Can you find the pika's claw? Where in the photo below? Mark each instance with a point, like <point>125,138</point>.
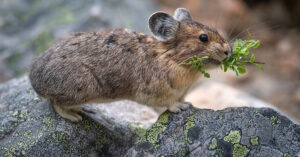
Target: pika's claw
<point>174,109</point>
<point>178,107</point>
<point>185,106</point>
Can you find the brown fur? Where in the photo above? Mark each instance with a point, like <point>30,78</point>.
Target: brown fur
<point>119,64</point>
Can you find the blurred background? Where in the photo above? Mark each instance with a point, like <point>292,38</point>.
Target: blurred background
<point>28,27</point>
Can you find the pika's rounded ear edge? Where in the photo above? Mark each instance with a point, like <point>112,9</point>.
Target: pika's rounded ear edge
<point>163,26</point>
<point>181,14</point>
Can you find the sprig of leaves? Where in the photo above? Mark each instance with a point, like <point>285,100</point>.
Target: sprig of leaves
<point>199,63</point>
<point>237,62</point>
<point>241,56</point>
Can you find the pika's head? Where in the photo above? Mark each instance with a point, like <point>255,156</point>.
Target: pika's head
<point>188,37</point>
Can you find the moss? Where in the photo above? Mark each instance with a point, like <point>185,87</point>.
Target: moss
<point>158,127</point>
<point>275,120</point>
<point>48,121</point>
<point>233,137</point>
<point>60,137</point>
<point>213,144</point>
<point>42,41</point>
<point>190,122</point>
<point>286,155</point>
<point>240,150</point>
<point>254,141</point>
<point>139,130</point>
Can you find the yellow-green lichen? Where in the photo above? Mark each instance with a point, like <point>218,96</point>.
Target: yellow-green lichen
<point>86,124</point>
<point>213,144</point>
<point>158,127</point>
<point>21,146</point>
<point>60,137</point>
<point>138,129</point>
<point>219,152</point>
<point>240,150</point>
<point>182,152</point>
<point>275,120</point>
<point>190,122</point>
<point>233,137</point>
<point>286,155</point>
<point>48,121</point>
<point>254,141</point>
<point>220,117</point>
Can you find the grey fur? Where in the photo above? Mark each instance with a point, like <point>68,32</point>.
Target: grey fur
<point>181,14</point>
<point>163,26</point>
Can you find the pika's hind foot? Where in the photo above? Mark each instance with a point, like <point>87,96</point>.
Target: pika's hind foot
<point>70,114</point>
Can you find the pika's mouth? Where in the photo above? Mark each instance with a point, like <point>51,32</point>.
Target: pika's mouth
<point>214,61</point>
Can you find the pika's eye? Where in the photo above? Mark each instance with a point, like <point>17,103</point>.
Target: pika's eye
<point>203,38</point>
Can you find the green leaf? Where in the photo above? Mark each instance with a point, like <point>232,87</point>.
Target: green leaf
<point>257,44</point>
<point>236,62</point>
<point>252,58</point>
<point>260,67</point>
<point>241,70</point>
<point>207,75</point>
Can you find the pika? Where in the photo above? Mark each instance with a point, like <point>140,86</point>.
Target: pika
<point>122,64</point>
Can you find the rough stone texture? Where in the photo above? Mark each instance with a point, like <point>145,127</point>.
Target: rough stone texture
<point>234,132</point>
<point>28,27</point>
<point>30,127</point>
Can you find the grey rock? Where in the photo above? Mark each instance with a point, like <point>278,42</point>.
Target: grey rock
<point>28,27</point>
<point>30,127</point>
<point>231,132</point>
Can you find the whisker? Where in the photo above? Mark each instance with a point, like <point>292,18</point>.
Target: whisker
<point>248,29</point>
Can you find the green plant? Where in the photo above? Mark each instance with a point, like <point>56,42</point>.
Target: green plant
<point>236,62</point>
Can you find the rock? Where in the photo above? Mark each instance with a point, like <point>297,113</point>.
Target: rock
<point>236,132</point>
<point>28,27</point>
<point>207,94</point>
<point>30,127</point>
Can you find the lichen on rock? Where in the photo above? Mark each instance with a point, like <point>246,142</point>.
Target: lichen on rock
<point>240,150</point>
<point>190,122</point>
<point>234,136</point>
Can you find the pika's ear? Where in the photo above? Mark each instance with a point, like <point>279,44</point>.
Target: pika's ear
<point>181,14</point>
<point>163,26</point>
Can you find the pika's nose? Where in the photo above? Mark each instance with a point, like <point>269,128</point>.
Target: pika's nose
<point>226,53</point>
<point>227,49</point>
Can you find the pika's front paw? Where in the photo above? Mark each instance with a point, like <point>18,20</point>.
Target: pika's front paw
<point>178,107</point>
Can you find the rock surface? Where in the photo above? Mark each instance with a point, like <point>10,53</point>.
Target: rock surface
<point>28,27</point>
<point>30,127</point>
<point>236,132</point>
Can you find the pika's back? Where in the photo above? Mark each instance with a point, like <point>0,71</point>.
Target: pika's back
<point>104,63</point>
